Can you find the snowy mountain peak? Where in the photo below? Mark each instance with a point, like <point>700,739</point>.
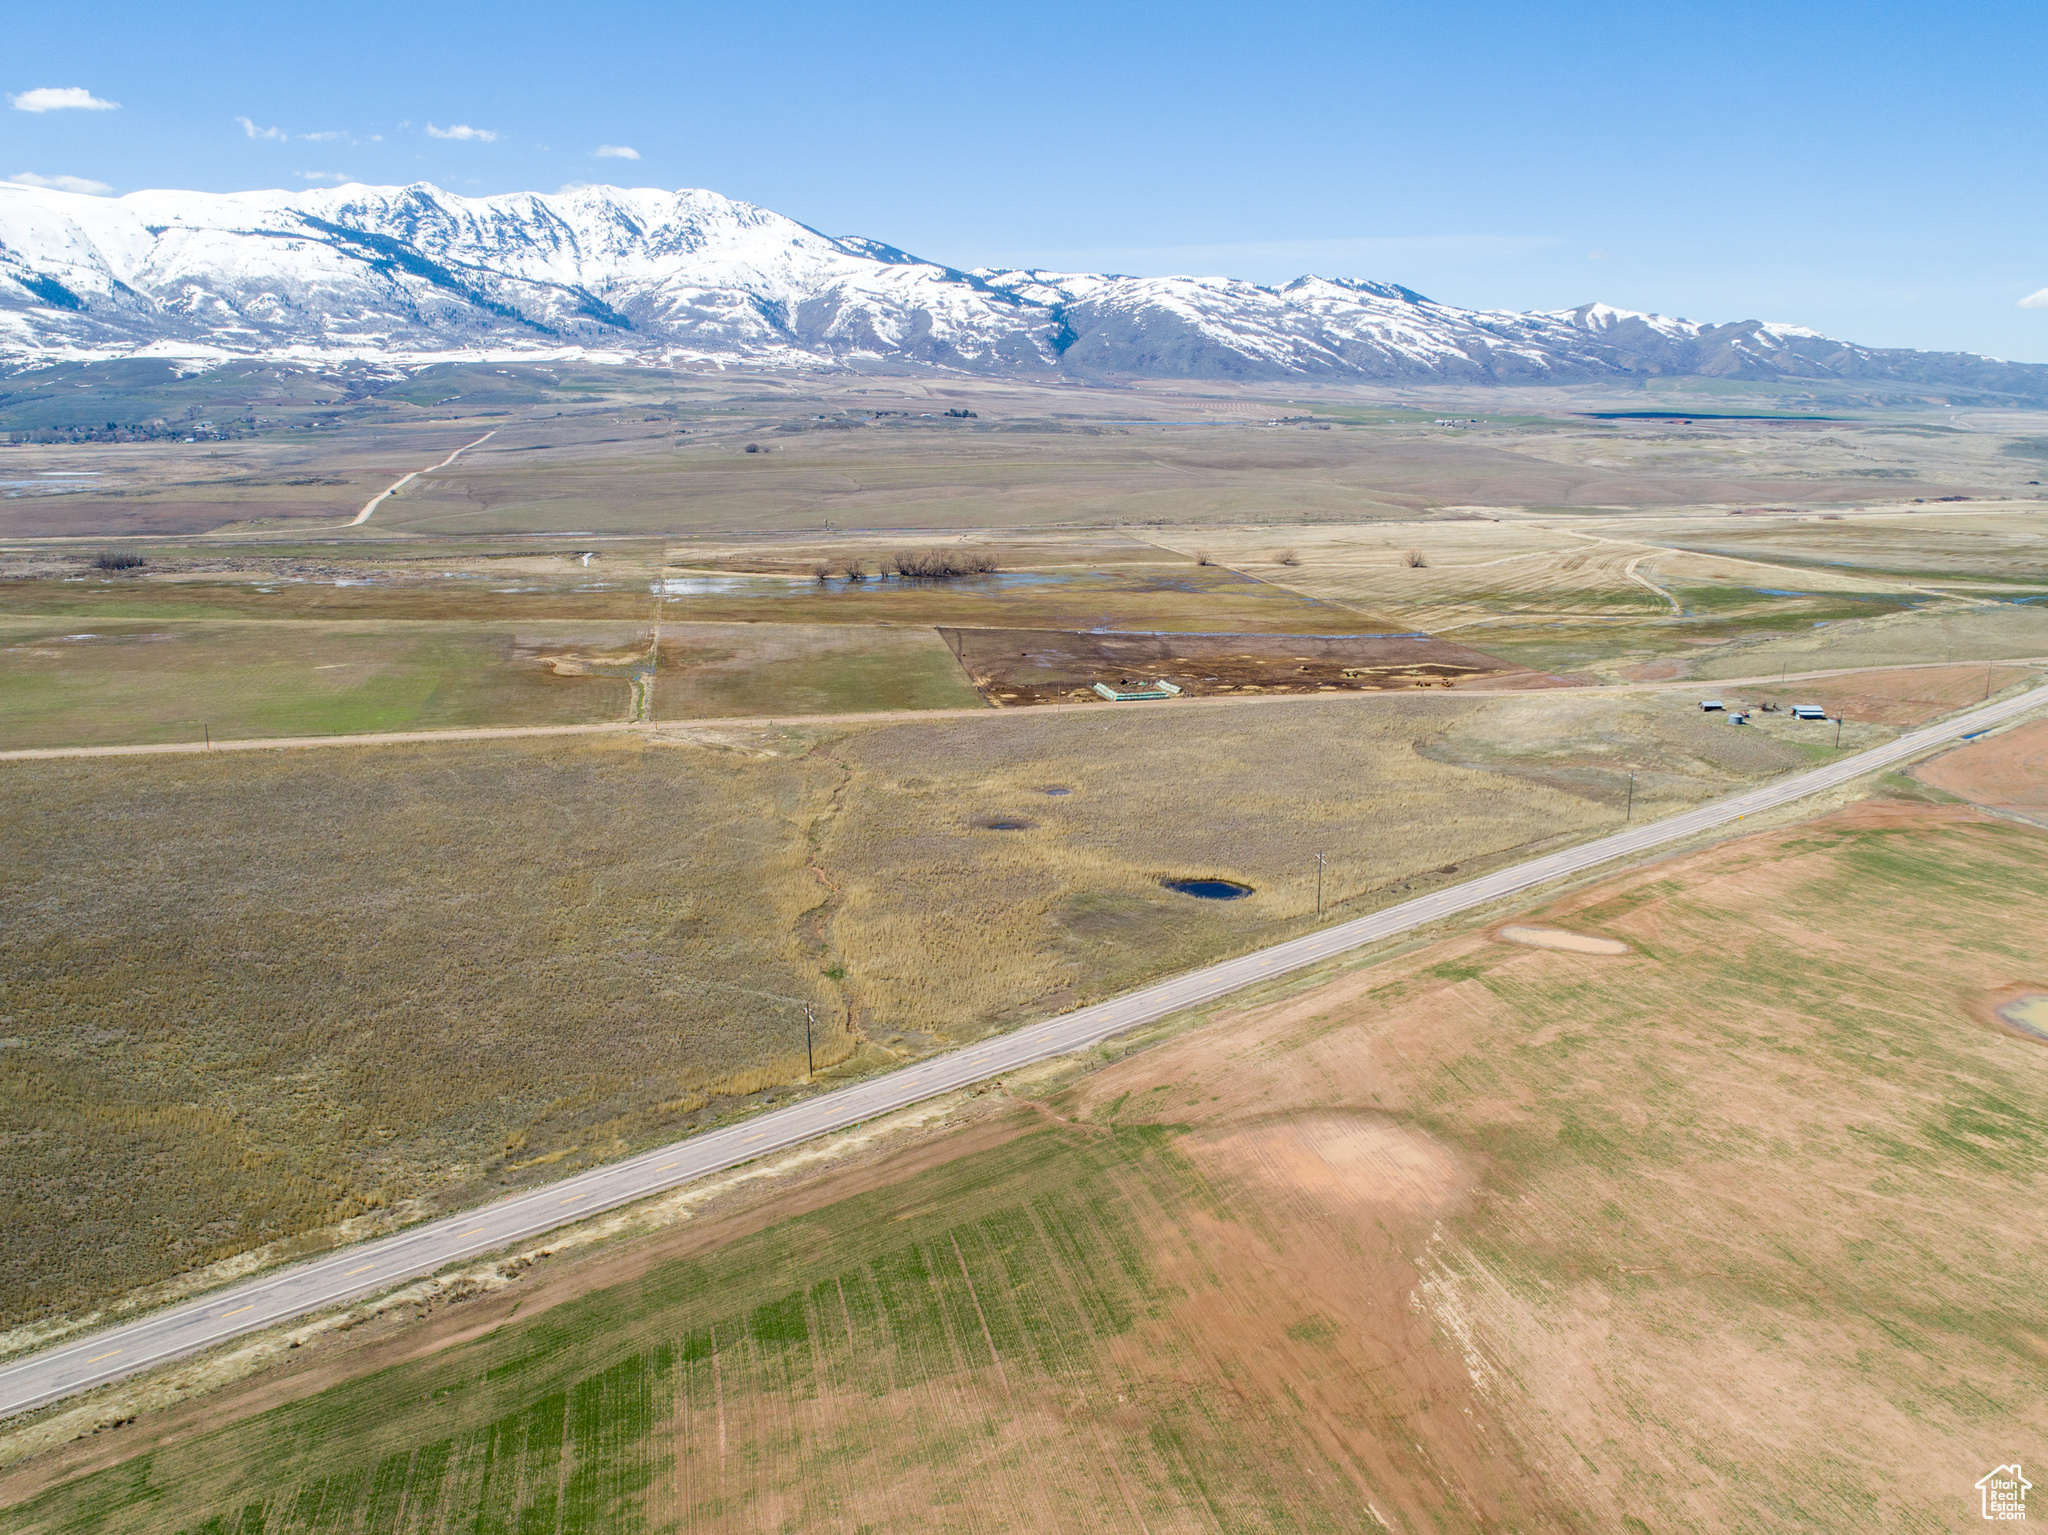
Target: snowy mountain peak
<point>415,274</point>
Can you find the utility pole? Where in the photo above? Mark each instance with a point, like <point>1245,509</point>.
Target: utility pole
<point>1838,732</point>
<point>810,1058</point>
<point>209,736</point>
<point>1987,682</point>
<point>1631,815</point>
<point>1319,884</point>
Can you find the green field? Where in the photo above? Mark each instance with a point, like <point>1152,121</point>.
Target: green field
<point>136,683</point>
<point>714,670</point>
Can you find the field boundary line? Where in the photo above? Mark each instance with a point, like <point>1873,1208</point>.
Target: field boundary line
<point>657,728</point>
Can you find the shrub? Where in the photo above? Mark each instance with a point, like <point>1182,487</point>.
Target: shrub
<point>1415,559</point>
<point>113,561</point>
<point>1287,557</point>
<point>939,564</point>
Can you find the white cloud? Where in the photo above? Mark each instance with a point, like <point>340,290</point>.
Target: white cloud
<point>254,132</point>
<point>463,131</point>
<point>52,98</point>
<point>615,152</point>
<point>327,137</point>
<point>2035,300</point>
<point>337,177</point>
<point>61,183</point>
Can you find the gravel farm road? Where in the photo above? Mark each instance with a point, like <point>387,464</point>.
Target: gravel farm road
<point>461,733</point>
<point>351,1273</point>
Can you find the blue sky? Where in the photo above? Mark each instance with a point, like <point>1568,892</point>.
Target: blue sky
<point>1873,170</point>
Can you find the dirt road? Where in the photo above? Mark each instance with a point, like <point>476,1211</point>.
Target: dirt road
<point>900,716</point>
<point>403,480</point>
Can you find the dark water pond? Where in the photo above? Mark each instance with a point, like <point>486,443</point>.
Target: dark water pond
<point>1209,889</point>
<point>1055,793</point>
<point>1006,825</point>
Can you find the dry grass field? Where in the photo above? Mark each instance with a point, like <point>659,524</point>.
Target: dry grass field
<point>1727,1231</point>
<point>1011,868</point>
<point>245,997</point>
<point>641,451</point>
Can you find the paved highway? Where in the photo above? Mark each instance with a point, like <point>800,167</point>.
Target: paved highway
<point>358,1271</point>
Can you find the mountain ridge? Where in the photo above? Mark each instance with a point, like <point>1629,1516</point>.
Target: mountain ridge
<point>416,275</point>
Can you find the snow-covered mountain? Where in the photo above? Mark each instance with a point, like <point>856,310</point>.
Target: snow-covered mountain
<point>415,274</point>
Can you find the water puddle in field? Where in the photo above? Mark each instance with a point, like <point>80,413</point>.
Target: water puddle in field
<point>51,482</point>
<point>2026,1015</point>
<point>1006,823</point>
<point>1209,889</point>
<point>1055,793</point>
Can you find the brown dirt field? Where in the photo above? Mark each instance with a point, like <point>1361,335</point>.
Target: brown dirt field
<point>2008,771</point>
<point>1901,698</point>
<point>51,517</point>
<point>1670,1329</point>
<point>1557,938</point>
<point>1014,667</point>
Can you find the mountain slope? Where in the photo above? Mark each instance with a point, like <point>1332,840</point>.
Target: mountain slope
<point>414,274</point>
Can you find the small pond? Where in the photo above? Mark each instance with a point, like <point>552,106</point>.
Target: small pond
<point>1209,889</point>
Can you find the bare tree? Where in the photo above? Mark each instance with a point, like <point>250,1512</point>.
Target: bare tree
<point>1415,559</point>
<point>939,564</point>
<point>1287,557</point>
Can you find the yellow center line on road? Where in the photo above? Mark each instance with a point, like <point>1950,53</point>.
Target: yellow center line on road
<point>571,1199</point>
<point>469,1233</point>
<point>236,1312</point>
<point>109,1354</point>
<point>355,1271</point>
<point>666,1166</point>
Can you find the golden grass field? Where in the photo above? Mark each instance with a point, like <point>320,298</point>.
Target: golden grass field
<point>1723,1232</point>
<point>250,996</point>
